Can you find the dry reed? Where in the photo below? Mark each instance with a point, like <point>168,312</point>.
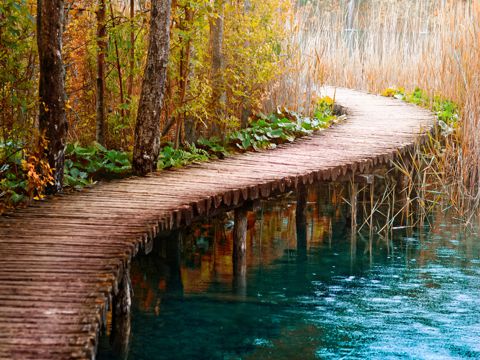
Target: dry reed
<point>375,44</point>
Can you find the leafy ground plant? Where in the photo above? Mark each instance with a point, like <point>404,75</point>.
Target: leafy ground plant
<point>85,165</point>
<point>447,111</point>
<point>171,157</point>
<point>266,132</point>
<point>24,173</point>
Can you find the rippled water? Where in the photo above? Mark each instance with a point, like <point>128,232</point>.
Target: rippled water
<point>411,297</point>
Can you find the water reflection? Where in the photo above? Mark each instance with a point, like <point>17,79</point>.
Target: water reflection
<point>311,290</point>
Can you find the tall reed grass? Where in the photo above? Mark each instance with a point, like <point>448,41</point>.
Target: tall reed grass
<point>375,44</point>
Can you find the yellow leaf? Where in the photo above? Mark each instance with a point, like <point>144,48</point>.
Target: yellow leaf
<point>327,100</point>
<point>389,92</point>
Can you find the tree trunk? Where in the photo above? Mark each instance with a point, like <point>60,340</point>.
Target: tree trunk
<point>117,63</point>
<point>190,130</point>
<point>350,14</point>
<point>184,71</point>
<point>246,108</point>
<point>52,117</point>
<point>132,51</point>
<point>350,24</point>
<point>190,124</point>
<point>147,129</point>
<point>218,100</point>
<point>101,51</point>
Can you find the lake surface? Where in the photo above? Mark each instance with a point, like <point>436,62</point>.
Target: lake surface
<point>413,296</point>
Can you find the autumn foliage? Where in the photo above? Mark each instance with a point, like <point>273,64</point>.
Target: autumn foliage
<point>253,48</point>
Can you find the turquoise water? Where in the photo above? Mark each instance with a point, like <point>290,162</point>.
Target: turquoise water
<point>414,296</point>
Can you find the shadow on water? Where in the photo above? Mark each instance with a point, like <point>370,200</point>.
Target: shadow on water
<point>306,288</point>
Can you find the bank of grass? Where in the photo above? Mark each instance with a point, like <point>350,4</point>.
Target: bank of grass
<point>24,175</point>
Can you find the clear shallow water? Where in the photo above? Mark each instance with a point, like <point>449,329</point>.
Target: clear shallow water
<point>413,297</point>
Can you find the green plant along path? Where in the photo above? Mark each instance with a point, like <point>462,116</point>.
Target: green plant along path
<point>446,110</point>
<point>86,164</point>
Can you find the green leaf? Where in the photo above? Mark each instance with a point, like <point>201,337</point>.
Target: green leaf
<point>16,198</point>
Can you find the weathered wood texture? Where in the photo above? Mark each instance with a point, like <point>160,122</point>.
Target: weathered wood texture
<point>62,259</point>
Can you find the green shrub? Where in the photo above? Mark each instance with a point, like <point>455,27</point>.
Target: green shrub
<point>284,126</point>
<point>171,157</point>
<point>84,165</point>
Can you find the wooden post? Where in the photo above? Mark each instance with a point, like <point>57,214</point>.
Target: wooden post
<point>353,248</point>
<point>402,193</point>
<point>121,322</point>
<point>370,225</point>
<point>301,222</point>
<point>173,260</point>
<point>353,204</point>
<point>372,205</point>
<point>240,250</point>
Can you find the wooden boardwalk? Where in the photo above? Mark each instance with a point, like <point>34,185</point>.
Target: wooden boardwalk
<point>61,259</point>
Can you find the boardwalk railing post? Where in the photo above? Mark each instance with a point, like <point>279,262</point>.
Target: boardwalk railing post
<point>240,249</point>
<point>122,302</point>
<point>301,222</point>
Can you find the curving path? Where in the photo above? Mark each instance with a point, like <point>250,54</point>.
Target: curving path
<point>60,260</point>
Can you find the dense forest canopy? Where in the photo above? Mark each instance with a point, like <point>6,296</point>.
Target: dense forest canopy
<point>251,48</point>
